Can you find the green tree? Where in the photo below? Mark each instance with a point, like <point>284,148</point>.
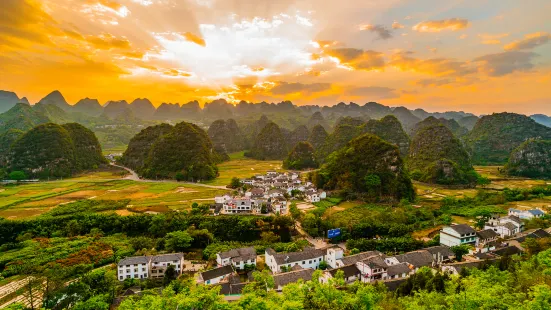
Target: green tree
<point>235,183</point>
<point>459,251</point>
<point>17,175</point>
<point>170,275</point>
<point>323,265</point>
<point>178,241</point>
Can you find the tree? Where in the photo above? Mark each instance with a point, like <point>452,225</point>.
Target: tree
<point>170,275</point>
<point>235,183</point>
<point>17,175</point>
<point>178,240</point>
<point>323,265</point>
<point>459,251</point>
<point>294,211</point>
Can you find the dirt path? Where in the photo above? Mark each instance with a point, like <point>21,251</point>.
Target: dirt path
<point>135,177</point>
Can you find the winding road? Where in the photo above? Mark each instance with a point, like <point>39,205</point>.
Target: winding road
<point>135,177</point>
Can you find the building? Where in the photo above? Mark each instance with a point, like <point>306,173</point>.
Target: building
<point>505,226</point>
<point>282,279</point>
<point>457,235</point>
<point>238,258</point>
<point>143,267</point>
<point>279,205</point>
<point>351,274</point>
<point>372,268</point>
<point>398,271</point>
<point>308,258</point>
<point>486,238</point>
<point>216,275</point>
<point>440,254</point>
<point>414,260</point>
<point>352,259</point>
<point>526,214</point>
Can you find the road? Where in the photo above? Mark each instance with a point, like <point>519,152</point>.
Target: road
<point>318,243</point>
<point>135,177</point>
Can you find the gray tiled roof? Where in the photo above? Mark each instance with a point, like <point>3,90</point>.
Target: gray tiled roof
<point>375,261</point>
<point>443,250</point>
<point>349,271</point>
<point>352,259</point>
<point>247,253</point>
<point>167,257</point>
<point>306,254</point>
<point>515,219</point>
<point>283,279</point>
<point>487,234</point>
<point>510,226</point>
<point>397,269</point>
<point>134,260</point>
<point>217,272</point>
<point>463,229</point>
<point>417,258</point>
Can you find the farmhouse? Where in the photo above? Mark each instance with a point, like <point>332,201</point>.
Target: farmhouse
<point>526,214</point>
<point>457,235</point>
<point>215,276</point>
<point>308,258</point>
<point>237,257</point>
<point>143,267</point>
<point>505,226</point>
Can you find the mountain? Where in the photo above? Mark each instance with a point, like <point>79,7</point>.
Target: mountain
<point>405,117</point>
<point>317,119</point>
<point>301,157</point>
<point>9,99</point>
<point>168,111</point>
<point>88,106</point>
<point>139,146</point>
<point>226,136</point>
<point>219,108</point>
<point>451,124</point>
<point>113,109</point>
<point>57,99</point>
<point>376,110</point>
<point>269,144</point>
<point>368,166</point>
<point>317,136</point>
<point>253,129</point>
<point>54,113</point>
<point>437,156</point>
<point>468,122</point>
<point>542,119</point>
<point>349,121</point>
<point>22,117</point>
<point>495,136</point>
<point>389,129</point>
<point>184,153</point>
<point>531,159</point>
<point>51,150</point>
<point>301,133</point>
<point>142,108</point>
<point>344,132</point>
<point>190,110</point>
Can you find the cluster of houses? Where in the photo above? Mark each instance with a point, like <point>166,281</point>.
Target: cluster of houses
<point>149,267</point>
<point>269,191</point>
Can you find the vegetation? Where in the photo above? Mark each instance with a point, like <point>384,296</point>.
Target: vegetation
<point>531,159</point>
<point>437,156</point>
<point>346,170</point>
<point>317,136</point>
<point>495,136</point>
<point>226,136</point>
<point>138,149</point>
<point>301,157</point>
<point>269,144</point>
<point>390,130</point>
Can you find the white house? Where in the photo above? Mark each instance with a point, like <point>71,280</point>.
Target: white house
<point>505,226</point>
<point>351,274</point>
<point>215,276</point>
<point>372,268</point>
<point>485,240</point>
<point>279,205</point>
<point>414,260</point>
<point>457,235</point>
<point>308,258</point>
<point>526,214</point>
<point>142,267</point>
<point>222,199</point>
<point>333,254</point>
<point>237,257</point>
<point>239,205</point>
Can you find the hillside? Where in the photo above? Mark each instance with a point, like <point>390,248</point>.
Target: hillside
<point>389,129</point>
<point>458,130</point>
<point>318,136</point>
<point>226,136</point>
<point>184,153</point>
<point>301,157</point>
<point>317,119</point>
<point>406,118</point>
<point>88,106</point>
<point>57,99</point>
<point>51,150</point>
<point>468,122</point>
<point>531,159</point>
<point>114,109</point>
<point>369,166</point>
<point>269,144</point>
<point>495,136</point>
<point>437,156</point>
<point>22,117</point>
<point>542,119</point>
<point>301,133</point>
<point>142,108</point>
<point>139,146</point>
<point>9,99</point>
<point>167,111</point>
<point>343,133</point>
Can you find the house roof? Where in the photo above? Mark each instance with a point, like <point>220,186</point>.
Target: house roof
<point>291,257</point>
<point>507,251</point>
<point>416,258</point>
<point>463,229</point>
<point>536,212</point>
<point>375,261</point>
<point>487,234</point>
<point>443,250</point>
<point>352,259</point>
<point>533,233</point>
<point>510,226</point>
<point>349,271</point>
<point>515,219</point>
<point>398,269</point>
<point>283,279</point>
<point>217,272</point>
<point>134,260</point>
<point>476,264</point>
<point>296,267</point>
<point>167,257</point>
<point>248,251</point>
<point>232,288</point>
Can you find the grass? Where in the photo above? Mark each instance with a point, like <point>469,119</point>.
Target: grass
<point>241,167</point>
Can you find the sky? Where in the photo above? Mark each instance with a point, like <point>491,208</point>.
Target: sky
<point>480,56</point>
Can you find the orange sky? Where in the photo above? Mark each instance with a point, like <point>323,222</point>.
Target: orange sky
<point>476,56</point>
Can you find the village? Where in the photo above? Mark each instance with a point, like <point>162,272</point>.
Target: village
<point>501,237</point>
<point>269,193</point>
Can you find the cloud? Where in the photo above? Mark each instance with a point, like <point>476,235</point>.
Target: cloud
<point>397,25</point>
<point>359,59</point>
<point>190,37</point>
<point>107,41</point>
<point>284,88</point>
<point>530,41</point>
<point>452,24</point>
<point>501,64</point>
<point>434,82</point>
<point>435,66</point>
<point>492,39</point>
<point>374,92</point>
<point>381,31</point>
